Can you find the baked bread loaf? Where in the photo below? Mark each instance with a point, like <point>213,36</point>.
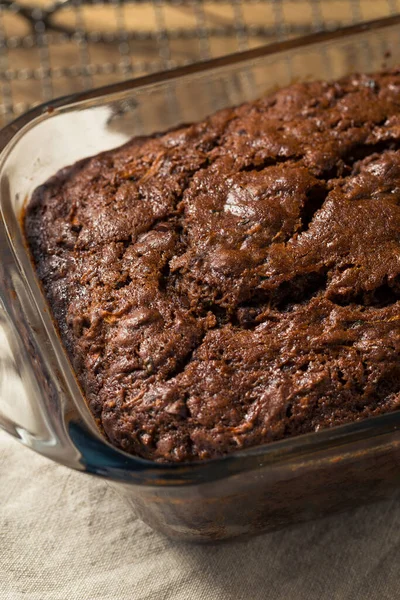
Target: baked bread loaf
<point>235,281</point>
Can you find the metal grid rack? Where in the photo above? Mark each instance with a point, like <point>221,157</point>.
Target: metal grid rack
<point>49,48</point>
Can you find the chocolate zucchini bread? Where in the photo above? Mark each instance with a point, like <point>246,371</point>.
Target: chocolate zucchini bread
<point>235,281</point>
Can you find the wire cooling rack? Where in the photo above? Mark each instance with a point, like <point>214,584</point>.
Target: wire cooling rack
<point>50,48</point>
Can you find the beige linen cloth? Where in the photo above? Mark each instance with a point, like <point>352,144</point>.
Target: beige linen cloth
<point>68,536</point>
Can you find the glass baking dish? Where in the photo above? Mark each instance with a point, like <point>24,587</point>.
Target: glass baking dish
<point>41,403</point>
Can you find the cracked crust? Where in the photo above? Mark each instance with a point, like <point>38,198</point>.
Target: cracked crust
<point>235,281</point>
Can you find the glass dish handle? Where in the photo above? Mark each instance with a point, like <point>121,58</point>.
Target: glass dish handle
<point>32,409</point>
